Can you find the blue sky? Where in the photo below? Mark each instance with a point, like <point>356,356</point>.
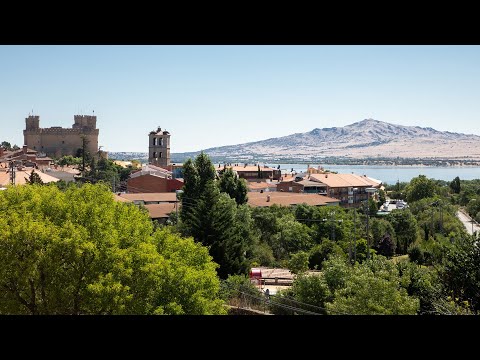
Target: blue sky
<point>208,96</point>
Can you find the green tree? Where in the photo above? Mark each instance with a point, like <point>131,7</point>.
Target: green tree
<point>34,178</point>
<point>406,229</point>
<point>211,218</point>
<point>321,252</point>
<point>420,187</point>
<point>423,283</point>
<point>372,206</point>
<point>291,237</point>
<point>298,262</point>
<point>6,145</point>
<point>237,290</point>
<point>80,252</point>
<point>381,197</point>
<point>386,246</point>
<point>381,227</point>
<point>235,187</point>
<point>312,290</point>
<point>373,288</point>
<point>336,272</point>
<point>455,185</point>
<point>460,273</point>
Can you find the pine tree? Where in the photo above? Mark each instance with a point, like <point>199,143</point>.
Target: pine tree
<point>34,178</point>
<point>235,187</point>
<point>209,216</point>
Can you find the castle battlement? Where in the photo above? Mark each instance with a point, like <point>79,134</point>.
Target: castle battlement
<point>57,141</point>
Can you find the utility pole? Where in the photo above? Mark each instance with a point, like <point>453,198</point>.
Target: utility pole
<point>368,191</point>
<point>12,173</point>
<point>354,190</point>
<point>368,236</point>
<point>332,219</point>
<point>354,238</point>
<point>332,224</point>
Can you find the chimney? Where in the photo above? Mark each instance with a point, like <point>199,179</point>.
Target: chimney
<point>24,149</point>
<point>268,198</point>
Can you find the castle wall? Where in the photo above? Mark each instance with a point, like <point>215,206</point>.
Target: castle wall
<point>57,141</point>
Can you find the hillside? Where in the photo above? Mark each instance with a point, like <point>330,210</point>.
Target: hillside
<point>364,139</point>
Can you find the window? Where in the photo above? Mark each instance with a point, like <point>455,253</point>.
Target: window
<point>160,142</point>
<point>154,142</point>
<point>160,155</point>
<point>63,142</point>
<point>154,154</point>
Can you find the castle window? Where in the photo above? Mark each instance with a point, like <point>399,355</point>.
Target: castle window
<point>154,142</point>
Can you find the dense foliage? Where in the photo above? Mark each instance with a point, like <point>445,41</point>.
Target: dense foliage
<point>78,251</point>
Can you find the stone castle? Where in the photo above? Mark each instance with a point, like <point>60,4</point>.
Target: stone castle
<point>57,141</point>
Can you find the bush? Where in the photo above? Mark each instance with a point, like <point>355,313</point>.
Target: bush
<point>320,253</point>
<point>238,290</point>
<point>298,262</point>
<point>415,254</point>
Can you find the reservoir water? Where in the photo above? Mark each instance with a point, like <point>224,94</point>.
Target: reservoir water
<point>390,174</point>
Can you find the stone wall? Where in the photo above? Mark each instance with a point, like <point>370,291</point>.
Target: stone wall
<point>57,141</point>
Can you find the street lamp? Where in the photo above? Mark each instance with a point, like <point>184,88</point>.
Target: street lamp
<point>332,219</point>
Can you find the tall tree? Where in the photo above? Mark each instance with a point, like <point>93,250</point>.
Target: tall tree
<point>455,185</point>
<point>406,228</point>
<point>6,145</point>
<point>235,187</point>
<point>372,288</point>
<point>420,187</point>
<point>380,228</point>
<point>80,252</point>
<point>210,217</point>
<point>34,178</point>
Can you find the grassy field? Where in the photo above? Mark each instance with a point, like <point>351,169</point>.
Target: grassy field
<point>396,259</point>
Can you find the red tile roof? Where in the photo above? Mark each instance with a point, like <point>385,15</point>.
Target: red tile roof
<point>344,180</point>
<point>167,197</point>
<point>289,198</point>
<point>157,211</point>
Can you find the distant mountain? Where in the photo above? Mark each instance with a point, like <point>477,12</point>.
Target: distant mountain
<point>364,139</point>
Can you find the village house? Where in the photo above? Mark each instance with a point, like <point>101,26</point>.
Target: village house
<point>24,157</point>
<point>350,189</point>
<point>21,176</point>
<point>253,172</point>
<point>153,179</point>
<point>261,186</point>
<point>159,205</point>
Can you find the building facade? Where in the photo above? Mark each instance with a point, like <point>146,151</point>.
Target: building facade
<point>57,141</point>
<point>159,147</point>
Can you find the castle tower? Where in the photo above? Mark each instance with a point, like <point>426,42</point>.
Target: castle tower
<point>32,122</point>
<point>159,147</point>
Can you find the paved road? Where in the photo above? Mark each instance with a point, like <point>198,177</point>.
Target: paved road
<point>467,222</point>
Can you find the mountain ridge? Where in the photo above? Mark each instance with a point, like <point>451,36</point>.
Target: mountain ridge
<point>363,139</point>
